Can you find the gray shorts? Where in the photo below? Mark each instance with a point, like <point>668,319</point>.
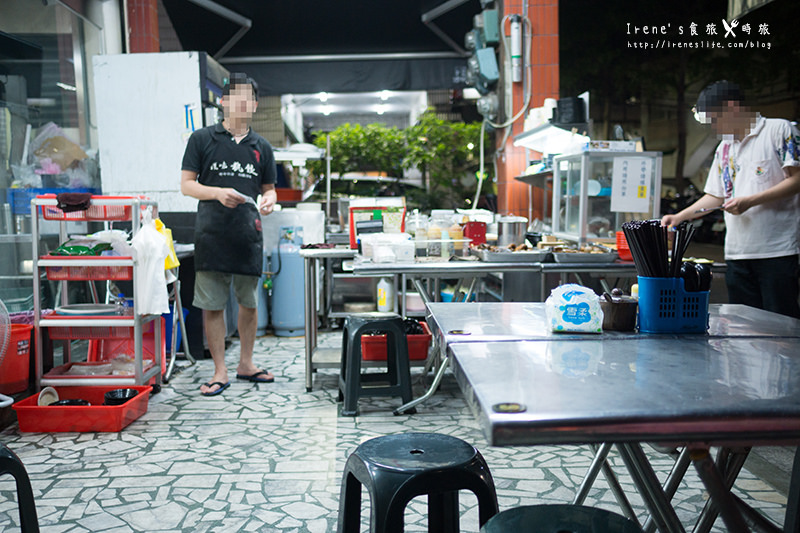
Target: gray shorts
<point>212,290</point>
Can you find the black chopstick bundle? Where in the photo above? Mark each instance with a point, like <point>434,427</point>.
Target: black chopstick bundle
<point>649,244</point>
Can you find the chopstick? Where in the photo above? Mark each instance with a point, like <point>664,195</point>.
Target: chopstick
<point>649,244</point>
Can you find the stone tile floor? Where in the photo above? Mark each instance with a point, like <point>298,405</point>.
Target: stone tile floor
<point>269,458</point>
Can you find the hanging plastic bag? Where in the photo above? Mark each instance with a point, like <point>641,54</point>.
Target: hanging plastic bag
<point>150,250</point>
<point>172,259</point>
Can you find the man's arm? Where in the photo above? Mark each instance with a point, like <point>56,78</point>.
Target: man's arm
<point>785,189</point>
<point>707,201</point>
<point>227,196</point>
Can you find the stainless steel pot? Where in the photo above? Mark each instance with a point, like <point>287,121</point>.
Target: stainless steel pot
<point>511,230</point>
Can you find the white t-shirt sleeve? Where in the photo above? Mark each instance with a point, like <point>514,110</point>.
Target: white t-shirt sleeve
<point>789,151</point>
<point>714,185</point>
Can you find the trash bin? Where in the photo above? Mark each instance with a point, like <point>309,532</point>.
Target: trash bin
<point>14,367</point>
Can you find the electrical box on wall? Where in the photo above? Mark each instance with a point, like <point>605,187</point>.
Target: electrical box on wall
<point>490,29</point>
<point>487,66</point>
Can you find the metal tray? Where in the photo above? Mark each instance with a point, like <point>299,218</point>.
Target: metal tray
<point>526,256</point>
<point>579,257</point>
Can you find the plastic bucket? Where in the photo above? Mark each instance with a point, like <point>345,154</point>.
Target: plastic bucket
<point>14,368</point>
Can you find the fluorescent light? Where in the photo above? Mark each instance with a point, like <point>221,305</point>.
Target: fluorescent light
<point>67,87</point>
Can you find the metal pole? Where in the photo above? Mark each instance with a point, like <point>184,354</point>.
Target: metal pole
<point>328,178</point>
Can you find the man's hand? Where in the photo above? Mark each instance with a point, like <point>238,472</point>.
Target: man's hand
<point>230,197</point>
<point>737,206</point>
<point>268,200</point>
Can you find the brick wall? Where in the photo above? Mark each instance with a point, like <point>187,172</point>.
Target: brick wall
<point>514,196</point>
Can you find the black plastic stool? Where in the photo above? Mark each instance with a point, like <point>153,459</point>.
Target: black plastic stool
<point>397,375</point>
<point>397,468</point>
<point>559,519</point>
<point>10,464</point>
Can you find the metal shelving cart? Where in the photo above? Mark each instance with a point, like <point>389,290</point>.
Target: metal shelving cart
<point>123,329</point>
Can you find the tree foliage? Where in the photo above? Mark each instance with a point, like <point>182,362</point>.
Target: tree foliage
<point>445,152</point>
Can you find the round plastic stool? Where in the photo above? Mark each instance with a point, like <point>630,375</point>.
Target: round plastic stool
<point>397,468</point>
<point>10,464</point>
<point>559,519</point>
<point>396,381</point>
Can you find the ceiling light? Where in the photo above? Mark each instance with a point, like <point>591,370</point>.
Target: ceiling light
<point>67,87</point>
<point>326,110</point>
<point>323,97</point>
<point>381,109</point>
<point>384,95</point>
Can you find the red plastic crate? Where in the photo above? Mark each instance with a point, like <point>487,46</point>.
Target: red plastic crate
<point>373,347</point>
<point>68,331</point>
<point>79,273</point>
<point>96,417</point>
<point>94,212</point>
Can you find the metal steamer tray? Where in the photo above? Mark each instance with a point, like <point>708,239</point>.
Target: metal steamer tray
<point>507,256</point>
<point>582,257</point>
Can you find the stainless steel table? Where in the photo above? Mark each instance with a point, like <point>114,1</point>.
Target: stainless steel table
<point>513,321</point>
<point>696,392</point>
<point>608,388</point>
<point>317,357</point>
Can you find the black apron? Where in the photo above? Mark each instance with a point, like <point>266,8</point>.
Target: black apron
<point>229,240</point>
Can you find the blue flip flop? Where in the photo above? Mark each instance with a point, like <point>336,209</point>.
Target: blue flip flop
<point>222,387</point>
<point>257,377</point>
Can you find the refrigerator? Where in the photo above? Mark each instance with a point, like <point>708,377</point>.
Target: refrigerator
<point>147,106</point>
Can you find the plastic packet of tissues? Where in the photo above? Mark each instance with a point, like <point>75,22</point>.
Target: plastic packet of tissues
<point>574,308</point>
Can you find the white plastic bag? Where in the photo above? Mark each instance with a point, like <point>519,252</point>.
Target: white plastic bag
<point>149,252</point>
<point>574,308</point>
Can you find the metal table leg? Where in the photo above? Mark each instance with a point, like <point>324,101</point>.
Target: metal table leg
<point>650,488</point>
<point>600,462</point>
<point>445,363</point>
<point>311,323</point>
<point>674,479</point>
<point>715,485</point>
<point>791,523</point>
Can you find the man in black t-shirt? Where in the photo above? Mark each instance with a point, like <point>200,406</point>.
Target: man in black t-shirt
<point>227,167</point>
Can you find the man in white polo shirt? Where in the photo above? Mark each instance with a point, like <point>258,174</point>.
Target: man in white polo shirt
<point>755,178</point>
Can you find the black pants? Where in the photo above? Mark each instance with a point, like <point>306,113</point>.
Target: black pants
<point>770,284</point>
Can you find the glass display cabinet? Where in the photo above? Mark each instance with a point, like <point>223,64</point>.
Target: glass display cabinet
<point>594,192</point>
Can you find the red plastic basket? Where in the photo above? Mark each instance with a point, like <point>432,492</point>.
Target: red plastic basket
<point>373,347</point>
<point>94,212</point>
<point>68,331</point>
<point>95,417</point>
<point>623,249</point>
<point>77,273</point>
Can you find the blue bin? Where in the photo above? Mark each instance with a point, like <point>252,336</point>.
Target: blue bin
<point>168,330</point>
<point>666,307</point>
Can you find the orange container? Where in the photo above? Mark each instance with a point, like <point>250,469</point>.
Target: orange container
<point>95,417</point>
<point>14,369</point>
<point>373,347</point>
<point>623,249</point>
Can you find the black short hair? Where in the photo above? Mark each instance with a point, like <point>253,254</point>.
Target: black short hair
<point>240,78</point>
<point>714,96</point>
